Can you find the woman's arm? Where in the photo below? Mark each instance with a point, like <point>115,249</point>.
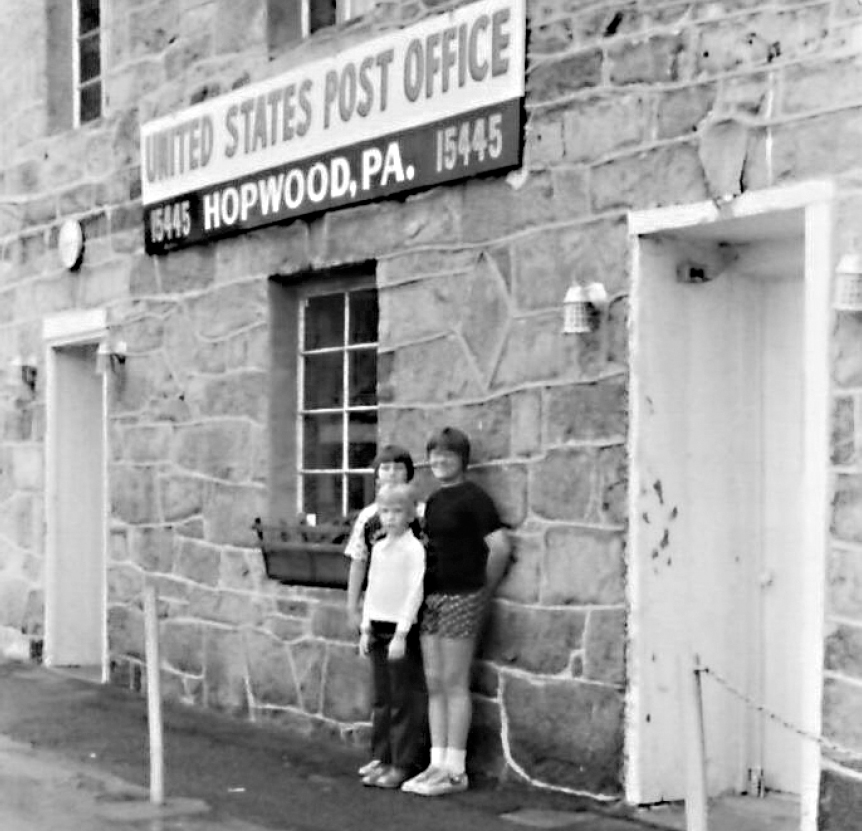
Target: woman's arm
<point>499,557</point>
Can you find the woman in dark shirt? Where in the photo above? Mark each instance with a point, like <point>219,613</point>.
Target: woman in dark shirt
<point>467,553</point>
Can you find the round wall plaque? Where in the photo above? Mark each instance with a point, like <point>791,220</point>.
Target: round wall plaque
<point>70,244</point>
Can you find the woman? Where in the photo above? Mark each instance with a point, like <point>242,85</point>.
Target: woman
<point>467,554</point>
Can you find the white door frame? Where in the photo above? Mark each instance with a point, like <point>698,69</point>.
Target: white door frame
<point>816,199</point>
<point>73,328</point>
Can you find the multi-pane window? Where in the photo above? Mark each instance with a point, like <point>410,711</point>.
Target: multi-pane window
<point>291,20</point>
<point>317,14</point>
<point>338,401</point>
<point>88,61</point>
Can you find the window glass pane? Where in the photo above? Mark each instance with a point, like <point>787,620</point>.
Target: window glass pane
<point>90,65</point>
<point>324,381</point>
<point>324,321</point>
<point>321,495</point>
<point>363,316</point>
<point>88,15</point>
<point>322,442</point>
<point>91,101</point>
<point>283,22</point>
<point>321,13</point>
<point>362,439</point>
<point>360,491</point>
<point>363,377</point>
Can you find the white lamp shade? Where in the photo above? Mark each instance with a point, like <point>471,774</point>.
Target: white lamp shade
<point>576,311</point>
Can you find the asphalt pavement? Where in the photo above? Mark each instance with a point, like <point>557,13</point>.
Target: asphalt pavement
<point>74,757</point>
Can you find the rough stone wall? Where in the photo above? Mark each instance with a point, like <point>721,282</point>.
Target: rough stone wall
<point>630,105</point>
<point>22,120</point>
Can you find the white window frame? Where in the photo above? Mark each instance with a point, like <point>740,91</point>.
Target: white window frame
<point>344,10</point>
<point>344,471</point>
<point>76,61</point>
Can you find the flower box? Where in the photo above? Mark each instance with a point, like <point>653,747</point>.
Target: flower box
<point>305,555</point>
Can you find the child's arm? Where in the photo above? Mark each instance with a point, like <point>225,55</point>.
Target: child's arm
<point>357,550</point>
<point>364,633</point>
<point>358,570</point>
<point>415,564</point>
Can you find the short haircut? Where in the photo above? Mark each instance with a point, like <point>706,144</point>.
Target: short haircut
<point>453,440</point>
<point>395,454</point>
<point>403,494</point>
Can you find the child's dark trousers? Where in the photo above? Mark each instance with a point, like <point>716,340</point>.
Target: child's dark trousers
<point>399,714</point>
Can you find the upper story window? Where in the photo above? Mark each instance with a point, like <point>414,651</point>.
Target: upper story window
<point>292,20</point>
<point>317,14</point>
<point>87,60</point>
<point>75,35</point>
<point>337,400</point>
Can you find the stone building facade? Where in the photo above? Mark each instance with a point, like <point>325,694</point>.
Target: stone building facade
<point>630,105</point>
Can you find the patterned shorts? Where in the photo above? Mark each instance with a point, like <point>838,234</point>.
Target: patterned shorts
<point>453,615</point>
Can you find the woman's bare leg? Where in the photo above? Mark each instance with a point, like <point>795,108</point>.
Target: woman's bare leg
<point>457,659</point>
<point>432,661</point>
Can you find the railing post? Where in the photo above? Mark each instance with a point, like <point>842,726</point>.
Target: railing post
<point>154,695</point>
<point>695,746</point>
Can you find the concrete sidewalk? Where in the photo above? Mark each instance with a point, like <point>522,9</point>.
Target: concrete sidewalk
<point>41,791</point>
<point>74,756</point>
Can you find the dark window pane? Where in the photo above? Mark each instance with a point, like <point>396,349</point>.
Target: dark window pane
<point>321,13</point>
<point>322,442</point>
<point>362,439</point>
<point>90,65</point>
<point>88,15</point>
<point>283,20</point>
<point>360,491</point>
<point>324,321</point>
<point>363,377</point>
<point>91,102</point>
<point>363,316</point>
<point>321,495</point>
<point>324,380</point>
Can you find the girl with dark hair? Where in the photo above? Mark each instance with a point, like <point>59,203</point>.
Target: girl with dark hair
<point>467,551</point>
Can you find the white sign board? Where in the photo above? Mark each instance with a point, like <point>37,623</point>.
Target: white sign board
<point>438,101</point>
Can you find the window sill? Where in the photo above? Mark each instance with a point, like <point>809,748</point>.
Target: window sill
<point>302,555</point>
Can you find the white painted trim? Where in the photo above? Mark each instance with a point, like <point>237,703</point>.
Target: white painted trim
<point>76,64</point>
<point>656,220</point>
<point>815,197</point>
<point>69,328</point>
<point>632,785</point>
<point>304,18</point>
<point>106,518</point>
<point>50,499</point>
<point>75,326</point>
<point>818,319</point>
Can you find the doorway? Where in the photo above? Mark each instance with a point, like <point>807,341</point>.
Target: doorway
<point>728,494</point>
<point>76,509</point>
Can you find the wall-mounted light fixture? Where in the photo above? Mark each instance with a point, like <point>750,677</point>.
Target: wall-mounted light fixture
<point>583,307</point>
<point>26,369</point>
<point>110,355</point>
<point>848,284</point>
